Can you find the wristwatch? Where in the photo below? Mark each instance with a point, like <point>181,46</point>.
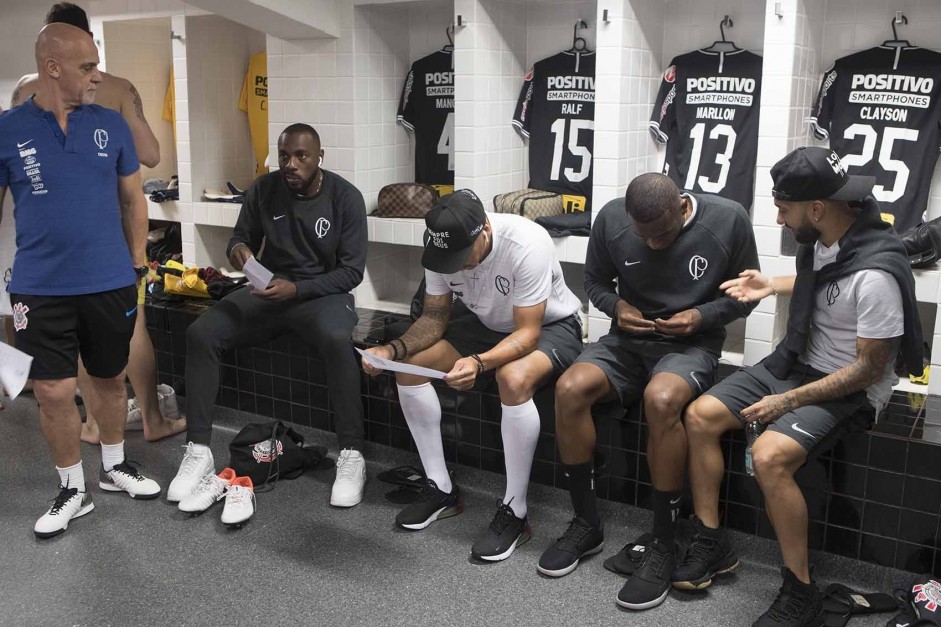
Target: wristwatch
<point>143,271</point>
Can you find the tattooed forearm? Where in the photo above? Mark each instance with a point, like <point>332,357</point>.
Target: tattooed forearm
<point>430,326</point>
<point>15,100</point>
<point>138,104</point>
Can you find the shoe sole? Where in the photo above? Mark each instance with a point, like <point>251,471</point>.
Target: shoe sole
<point>523,538</point>
<point>646,605</point>
<point>347,502</point>
<point>51,534</point>
<point>237,524</point>
<point>705,582</point>
<point>110,487</point>
<point>199,512</point>
<point>444,512</point>
<point>562,572</point>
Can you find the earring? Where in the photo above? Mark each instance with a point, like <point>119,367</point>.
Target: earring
<point>320,162</point>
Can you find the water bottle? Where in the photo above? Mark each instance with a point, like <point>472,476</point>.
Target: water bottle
<point>752,431</point>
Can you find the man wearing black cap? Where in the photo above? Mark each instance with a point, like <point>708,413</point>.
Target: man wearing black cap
<point>525,327</point>
<point>852,309</point>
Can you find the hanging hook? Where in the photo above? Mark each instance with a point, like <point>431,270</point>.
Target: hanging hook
<point>449,31</point>
<point>898,19</point>
<point>726,21</point>
<point>575,38</point>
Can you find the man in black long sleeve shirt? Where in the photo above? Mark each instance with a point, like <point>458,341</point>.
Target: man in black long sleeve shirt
<point>313,225</point>
<point>655,269</point>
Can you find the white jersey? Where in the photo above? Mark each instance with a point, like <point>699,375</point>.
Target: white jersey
<point>521,271</point>
<point>866,304</point>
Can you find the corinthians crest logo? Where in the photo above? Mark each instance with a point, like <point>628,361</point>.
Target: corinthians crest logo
<point>929,591</point>
<point>263,454</point>
<point>697,267</point>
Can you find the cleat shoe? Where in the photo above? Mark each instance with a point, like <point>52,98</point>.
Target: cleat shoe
<point>710,554</point>
<point>69,504</point>
<point>192,470</point>
<point>430,505</point>
<point>239,502</point>
<point>798,605</point>
<point>351,479</point>
<point>505,533</point>
<point>650,583</point>
<point>125,478</point>
<point>579,540</point>
<point>207,492</point>
<point>630,557</point>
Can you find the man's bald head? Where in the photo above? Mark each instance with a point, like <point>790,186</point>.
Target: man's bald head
<point>67,60</point>
<point>58,40</point>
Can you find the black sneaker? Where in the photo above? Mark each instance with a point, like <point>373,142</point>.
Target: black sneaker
<point>579,540</point>
<point>630,557</point>
<point>430,505</point>
<point>798,605</point>
<point>650,583</point>
<point>709,554</point>
<point>505,533</point>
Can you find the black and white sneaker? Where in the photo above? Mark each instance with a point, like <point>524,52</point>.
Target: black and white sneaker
<point>125,478</point>
<point>630,557</point>
<point>709,554</point>
<point>430,505</point>
<point>798,605</point>
<point>69,504</point>
<point>505,533</point>
<point>650,583</point>
<point>579,540</point>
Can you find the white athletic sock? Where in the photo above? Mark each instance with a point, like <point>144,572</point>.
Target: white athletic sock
<point>72,477</point>
<point>423,414</point>
<point>112,455</point>
<point>520,428</point>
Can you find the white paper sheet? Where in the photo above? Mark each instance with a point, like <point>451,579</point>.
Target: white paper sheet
<point>258,275</point>
<point>397,366</point>
<point>14,369</point>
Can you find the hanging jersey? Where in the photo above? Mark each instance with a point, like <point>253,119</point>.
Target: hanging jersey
<point>707,114</point>
<point>880,109</point>
<point>254,101</point>
<point>426,108</point>
<point>169,105</point>
<point>556,112</point>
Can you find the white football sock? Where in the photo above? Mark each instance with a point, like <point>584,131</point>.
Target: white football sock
<point>72,477</point>
<point>422,411</point>
<point>520,428</point>
<point>112,455</point>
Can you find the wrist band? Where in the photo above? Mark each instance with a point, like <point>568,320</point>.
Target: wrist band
<point>480,363</point>
<point>395,351</point>
<point>395,347</point>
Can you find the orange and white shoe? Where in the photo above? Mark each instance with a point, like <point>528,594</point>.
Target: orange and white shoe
<point>239,502</point>
<point>207,492</point>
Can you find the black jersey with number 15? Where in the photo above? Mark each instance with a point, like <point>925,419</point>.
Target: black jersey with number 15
<point>556,111</point>
<point>426,108</point>
<point>881,109</point>
<point>707,114</point>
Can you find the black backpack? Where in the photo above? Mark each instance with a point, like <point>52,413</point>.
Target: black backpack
<point>269,451</point>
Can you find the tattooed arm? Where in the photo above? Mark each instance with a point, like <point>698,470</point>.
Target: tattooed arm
<point>423,334</point>
<point>132,109</point>
<point>25,88</point>
<point>872,357</point>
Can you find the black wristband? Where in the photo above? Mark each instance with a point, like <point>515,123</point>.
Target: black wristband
<point>480,363</point>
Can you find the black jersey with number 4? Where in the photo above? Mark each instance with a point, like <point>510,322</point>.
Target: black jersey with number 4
<point>556,111</point>
<point>881,109</point>
<point>426,108</point>
<point>707,114</point>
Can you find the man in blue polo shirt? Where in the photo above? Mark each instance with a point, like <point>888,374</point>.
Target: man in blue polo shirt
<point>80,211</point>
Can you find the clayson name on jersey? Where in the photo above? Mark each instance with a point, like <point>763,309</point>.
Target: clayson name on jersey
<point>890,89</point>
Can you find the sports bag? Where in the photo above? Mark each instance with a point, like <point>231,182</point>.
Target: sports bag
<point>923,243</point>
<point>270,451</point>
<point>529,203</point>
<point>406,200</point>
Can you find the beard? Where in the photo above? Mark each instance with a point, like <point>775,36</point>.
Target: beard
<point>806,234</point>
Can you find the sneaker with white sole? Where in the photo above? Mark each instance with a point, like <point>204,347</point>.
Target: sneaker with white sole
<point>351,479</point>
<point>207,493</point>
<point>69,504</point>
<point>193,468</point>
<point>125,478</point>
<point>239,502</point>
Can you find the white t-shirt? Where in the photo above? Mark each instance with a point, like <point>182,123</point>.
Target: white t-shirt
<point>521,271</point>
<point>866,304</point>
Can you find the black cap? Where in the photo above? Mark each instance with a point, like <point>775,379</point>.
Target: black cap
<point>810,173</point>
<point>454,223</point>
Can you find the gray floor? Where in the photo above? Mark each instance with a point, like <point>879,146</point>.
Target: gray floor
<point>299,561</point>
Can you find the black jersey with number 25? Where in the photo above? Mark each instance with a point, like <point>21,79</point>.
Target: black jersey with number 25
<point>707,114</point>
<point>556,111</point>
<point>426,108</point>
<point>881,108</point>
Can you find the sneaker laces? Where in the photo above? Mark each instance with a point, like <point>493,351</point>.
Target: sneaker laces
<point>65,494</point>
<point>787,606</point>
<point>655,559</point>
<point>347,468</point>
<point>505,515</point>
<point>236,495</point>
<point>700,549</point>
<point>206,484</point>
<point>190,461</point>
<point>573,535</point>
<point>428,491</point>
<point>128,468</point>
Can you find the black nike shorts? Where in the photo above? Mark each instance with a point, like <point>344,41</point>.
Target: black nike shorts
<point>815,427</point>
<point>630,362</point>
<point>55,330</point>
<point>561,341</point>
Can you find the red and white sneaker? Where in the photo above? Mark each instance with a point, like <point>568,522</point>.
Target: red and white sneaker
<point>207,492</point>
<point>239,502</point>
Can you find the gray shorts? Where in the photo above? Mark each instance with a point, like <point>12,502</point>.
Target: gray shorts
<point>561,341</point>
<point>630,362</point>
<point>815,427</point>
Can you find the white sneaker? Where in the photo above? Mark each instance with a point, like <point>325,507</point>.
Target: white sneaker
<point>166,400</point>
<point>125,478</point>
<point>135,419</point>
<point>69,504</point>
<point>192,470</point>
<point>239,502</point>
<point>351,479</point>
<point>208,492</point>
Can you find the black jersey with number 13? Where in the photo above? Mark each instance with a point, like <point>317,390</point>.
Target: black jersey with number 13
<point>426,108</point>
<point>707,114</point>
<point>556,111</point>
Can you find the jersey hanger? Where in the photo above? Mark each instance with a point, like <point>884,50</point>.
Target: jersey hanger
<point>723,45</point>
<point>895,42</point>
<point>578,43</point>
<point>449,31</point>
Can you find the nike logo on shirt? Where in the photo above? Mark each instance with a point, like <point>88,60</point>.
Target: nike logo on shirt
<point>128,314</point>
<point>454,284</point>
<point>26,143</point>
<point>280,216</point>
<point>799,430</point>
<point>631,263</point>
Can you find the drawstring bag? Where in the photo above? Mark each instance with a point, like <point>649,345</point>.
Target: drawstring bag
<point>270,451</point>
